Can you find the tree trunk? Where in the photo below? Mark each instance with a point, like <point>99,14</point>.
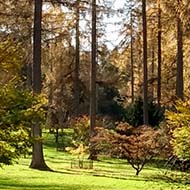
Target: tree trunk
<point>93,82</point>
<point>137,172</point>
<point>145,69</point>
<point>50,95</point>
<point>179,79</point>
<point>37,151</point>
<point>152,69</point>
<point>29,64</point>
<point>159,54</point>
<point>132,62</point>
<point>77,61</point>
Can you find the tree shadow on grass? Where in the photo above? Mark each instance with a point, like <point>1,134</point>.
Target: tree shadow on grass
<point>158,178</point>
<point>7,184</point>
<point>113,173</point>
<point>174,178</point>
<point>66,172</point>
<point>103,174</point>
<point>40,187</point>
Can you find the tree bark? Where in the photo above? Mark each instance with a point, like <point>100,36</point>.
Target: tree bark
<point>132,61</point>
<point>77,61</point>
<point>93,81</point>
<point>145,69</point>
<point>29,64</point>
<point>38,161</point>
<point>152,69</point>
<point>159,55</point>
<point>179,77</point>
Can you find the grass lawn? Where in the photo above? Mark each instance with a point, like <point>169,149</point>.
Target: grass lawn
<point>107,174</point>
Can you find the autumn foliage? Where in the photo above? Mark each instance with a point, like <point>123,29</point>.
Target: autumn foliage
<point>19,109</point>
<point>137,145</point>
<point>178,120</point>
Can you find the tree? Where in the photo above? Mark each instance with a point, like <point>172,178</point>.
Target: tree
<point>17,112</point>
<point>134,113</point>
<point>132,60</point>
<point>58,56</point>
<point>178,120</point>
<point>18,107</point>
<point>108,105</point>
<point>137,145</point>
<point>179,77</point>
<point>93,80</point>
<point>159,54</point>
<point>38,161</point>
<point>80,126</point>
<point>16,24</point>
<point>145,70</point>
<point>14,105</point>
<point>77,60</point>
<point>175,13</point>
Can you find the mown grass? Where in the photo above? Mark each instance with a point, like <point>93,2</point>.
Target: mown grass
<point>107,174</point>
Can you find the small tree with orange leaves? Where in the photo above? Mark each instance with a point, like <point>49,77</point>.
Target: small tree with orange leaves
<point>137,145</point>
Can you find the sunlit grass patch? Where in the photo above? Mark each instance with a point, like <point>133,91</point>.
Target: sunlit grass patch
<point>107,174</point>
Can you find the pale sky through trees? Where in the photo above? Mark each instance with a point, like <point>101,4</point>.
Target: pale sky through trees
<point>113,35</point>
<point>113,26</point>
